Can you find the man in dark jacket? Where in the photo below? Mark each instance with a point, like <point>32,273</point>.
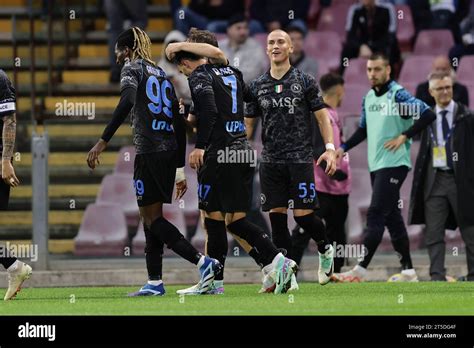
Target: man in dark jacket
<point>370,29</point>
<point>441,65</point>
<point>443,185</point>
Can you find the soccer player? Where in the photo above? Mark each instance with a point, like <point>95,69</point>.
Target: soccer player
<point>18,271</point>
<point>224,184</point>
<point>333,191</point>
<point>387,122</point>
<point>160,141</point>
<point>286,99</point>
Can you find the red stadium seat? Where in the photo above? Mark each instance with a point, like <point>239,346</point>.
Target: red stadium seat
<point>352,102</point>
<point>410,87</point>
<point>125,159</point>
<point>405,27</point>
<point>174,214</point>
<point>356,72</point>
<point>358,155</point>
<point>103,231</point>
<point>118,188</point>
<point>433,42</point>
<point>262,40</point>
<point>325,46</point>
<point>465,73</point>
<point>333,18</point>
<point>416,69</point>
<point>470,88</point>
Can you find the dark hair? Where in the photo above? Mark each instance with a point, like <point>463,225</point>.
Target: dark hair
<point>179,56</point>
<point>328,81</point>
<point>202,36</point>
<point>294,28</point>
<point>380,55</point>
<point>137,41</point>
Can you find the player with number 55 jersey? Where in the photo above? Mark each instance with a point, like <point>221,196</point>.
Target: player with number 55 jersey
<point>160,142</point>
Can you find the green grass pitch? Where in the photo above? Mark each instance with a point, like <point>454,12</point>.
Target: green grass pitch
<point>423,298</point>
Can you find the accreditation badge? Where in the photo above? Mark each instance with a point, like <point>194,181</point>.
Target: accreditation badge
<point>439,157</point>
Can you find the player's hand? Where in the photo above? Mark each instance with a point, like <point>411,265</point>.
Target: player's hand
<point>365,51</point>
<point>93,155</point>
<point>181,188</point>
<point>8,174</point>
<point>196,158</point>
<point>330,157</point>
<point>394,144</point>
<point>172,49</point>
<point>339,154</point>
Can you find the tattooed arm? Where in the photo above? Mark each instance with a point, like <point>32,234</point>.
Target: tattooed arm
<point>8,142</point>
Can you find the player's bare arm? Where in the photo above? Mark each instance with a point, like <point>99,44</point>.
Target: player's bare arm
<point>249,126</point>
<point>326,131</point>
<point>8,140</point>
<point>199,49</point>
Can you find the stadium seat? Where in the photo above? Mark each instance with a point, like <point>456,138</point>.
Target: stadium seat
<point>405,27</point>
<point>352,102</point>
<point>465,72</point>
<point>325,46</point>
<point>433,42</point>
<point>471,95</point>
<point>410,87</point>
<point>103,231</point>
<point>125,160</point>
<point>118,188</point>
<point>358,156</point>
<point>416,69</point>
<point>356,72</point>
<point>174,214</point>
<point>333,18</point>
<point>262,40</point>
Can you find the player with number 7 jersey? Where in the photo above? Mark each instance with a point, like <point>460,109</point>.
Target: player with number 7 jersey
<point>160,142</point>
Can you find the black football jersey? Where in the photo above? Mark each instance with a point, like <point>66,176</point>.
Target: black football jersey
<point>286,107</point>
<point>155,106</point>
<point>221,89</point>
<point>7,101</point>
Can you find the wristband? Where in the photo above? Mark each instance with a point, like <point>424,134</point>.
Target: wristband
<point>330,146</point>
<point>179,175</point>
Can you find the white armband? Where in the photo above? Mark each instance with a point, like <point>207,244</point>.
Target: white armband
<point>179,175</point>
<point>330,146</point>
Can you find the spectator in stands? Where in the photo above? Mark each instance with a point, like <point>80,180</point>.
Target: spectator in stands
<point>298,58</point>
<point>117,12</point>
<point>212,15</point>
<point>243,52</point>
<point>180,82</point>
<point>279,14</point>
<point>370,28</point>
<point>440,14</point>
<point>441,66</point>
<point>443,189</point>
<point>467,32</point>
<point>332,192</point>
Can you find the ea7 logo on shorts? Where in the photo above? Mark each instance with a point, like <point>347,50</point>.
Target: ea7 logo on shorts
<point>296,87</point>
<point>263,198</point>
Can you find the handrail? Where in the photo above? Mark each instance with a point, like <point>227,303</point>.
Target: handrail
<point>50,49</point>
<point>32,64</point>
<point>15,56</point>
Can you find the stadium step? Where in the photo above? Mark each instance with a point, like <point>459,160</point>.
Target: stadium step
<point>86,77</point>
<point>82,130</point>
<point>24,218</point>
<point>59,191</point>
<point>67,159</point>
<point>55,246</point>
<point>100,103</point>
<point>94,51</point>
